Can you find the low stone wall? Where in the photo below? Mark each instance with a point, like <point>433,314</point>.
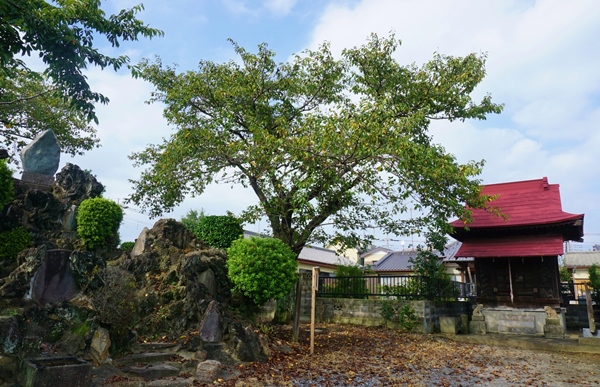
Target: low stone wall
<point>367,312</point>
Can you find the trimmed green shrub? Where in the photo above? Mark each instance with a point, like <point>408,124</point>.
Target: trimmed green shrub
<point>98,222</point>
<point>261,268</point>
<point>127,246</point>
<point>12,242</point>
<point>594,275</point>
<point>350,287</point>
<point>218,230</point>
<point>6,184</point>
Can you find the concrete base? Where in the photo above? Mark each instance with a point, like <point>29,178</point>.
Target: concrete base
<point>553,331</point>
<point>477,327</point>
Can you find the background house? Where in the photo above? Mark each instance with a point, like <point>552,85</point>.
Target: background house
<point>579,262</point>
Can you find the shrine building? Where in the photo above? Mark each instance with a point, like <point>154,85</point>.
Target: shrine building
<point>516,256</point>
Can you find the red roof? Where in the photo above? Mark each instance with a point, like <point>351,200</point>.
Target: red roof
<point>515,246</point>
<point>526,203</point>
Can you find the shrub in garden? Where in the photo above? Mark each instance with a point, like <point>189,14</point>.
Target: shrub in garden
<point>350,287</point>
<point>6,184</point>
<point>594,275</point>
<point>98,221</point>
<point>261,268</point>
<point>218,230</point>
<point>12,242</point>
<point>127,246</point>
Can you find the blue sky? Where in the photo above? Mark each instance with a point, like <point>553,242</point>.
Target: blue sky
<point>543,64</point>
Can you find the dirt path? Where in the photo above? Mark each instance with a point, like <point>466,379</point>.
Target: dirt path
<point>358,356</point>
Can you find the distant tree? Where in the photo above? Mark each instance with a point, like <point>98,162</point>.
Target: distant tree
<point>62,33</point>
<point>437,281</point>
<point>318,140</point>
<point>594,275</point>
<point>191,219</point>
<point>6,184</point>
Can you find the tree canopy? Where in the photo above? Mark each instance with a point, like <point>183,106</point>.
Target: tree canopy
<point>28,106</point>
<point>62,32</point>
<point>318,139</point>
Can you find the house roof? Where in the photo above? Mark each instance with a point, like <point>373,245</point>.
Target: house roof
<point>582,259</point>
<point>376,250</point>
<point>313,255</point>
<point>396,261</point>
<point>514,246</point>
<point>525,203</point>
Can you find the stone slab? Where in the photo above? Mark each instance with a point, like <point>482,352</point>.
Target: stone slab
<point>516,323</point>
<point>58,371</point>
<point>153,371</point>
<point>449,324</point>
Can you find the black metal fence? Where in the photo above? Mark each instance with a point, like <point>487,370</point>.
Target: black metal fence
<point>395,287</point>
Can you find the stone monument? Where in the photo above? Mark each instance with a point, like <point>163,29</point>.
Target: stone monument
<point>40,159</point>
<point>477,323</point>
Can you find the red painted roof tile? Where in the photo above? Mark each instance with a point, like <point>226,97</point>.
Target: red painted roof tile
<point>526,203</point>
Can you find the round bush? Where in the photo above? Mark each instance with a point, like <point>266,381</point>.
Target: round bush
<point>261,268</point>
<point>6,184</point>
<point>218,230</point>
<point>98,222</point>
<point>12,242</point>
<point>127,246</point>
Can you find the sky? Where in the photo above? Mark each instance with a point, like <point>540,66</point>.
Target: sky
<point>543,64</point>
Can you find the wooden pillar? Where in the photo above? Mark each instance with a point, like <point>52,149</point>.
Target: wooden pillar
<point>313,307</point>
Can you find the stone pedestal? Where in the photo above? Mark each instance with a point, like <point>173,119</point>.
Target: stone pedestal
<point>553,329</point>
<point>59,371</point>
<point>449,324</point>
<point>477,325</point>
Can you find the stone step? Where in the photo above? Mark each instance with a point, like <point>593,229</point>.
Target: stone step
<point>152,346</point>
<point>152,371</point>
<point>144,358</point>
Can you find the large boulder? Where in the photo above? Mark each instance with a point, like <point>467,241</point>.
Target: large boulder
<point>42,155</point>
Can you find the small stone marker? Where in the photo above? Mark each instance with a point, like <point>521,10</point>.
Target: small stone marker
<point>54,281</point>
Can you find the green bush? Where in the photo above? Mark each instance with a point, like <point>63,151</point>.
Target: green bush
<point>349,287</point>
<point>261,268</point>
<point>12,242</point>
<point>127,246</point>
<point>98,222</point>
<point>218,230</point>
<point>6,184</point>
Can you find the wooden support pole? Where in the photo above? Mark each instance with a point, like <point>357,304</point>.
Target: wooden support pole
<point>297,310</point>
<point>313,307</point>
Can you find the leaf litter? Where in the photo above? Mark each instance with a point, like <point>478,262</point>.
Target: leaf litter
<point>372,357</point>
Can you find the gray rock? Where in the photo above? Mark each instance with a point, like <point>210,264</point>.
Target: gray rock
<point>140,243</point>
<point>11,334</point>
<point>211,329</point>
<point>69,219</point>
<point>54,281</point>
<point>100,346</point>
<point>42,155</point>
<point>207,278</point>
<point>208,371</point>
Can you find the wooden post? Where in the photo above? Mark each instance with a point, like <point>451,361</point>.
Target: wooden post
<point>590,309</point>
<point>297,310</point>
<point>313,307</point>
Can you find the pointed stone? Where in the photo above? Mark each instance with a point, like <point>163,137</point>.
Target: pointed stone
<point>211,330</point>
<point>42,155</point>
<point>100,346</point>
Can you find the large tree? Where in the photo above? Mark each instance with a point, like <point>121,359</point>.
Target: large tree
<point>318,139</point>
<point>28,106</point>
<point>61,33</point>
